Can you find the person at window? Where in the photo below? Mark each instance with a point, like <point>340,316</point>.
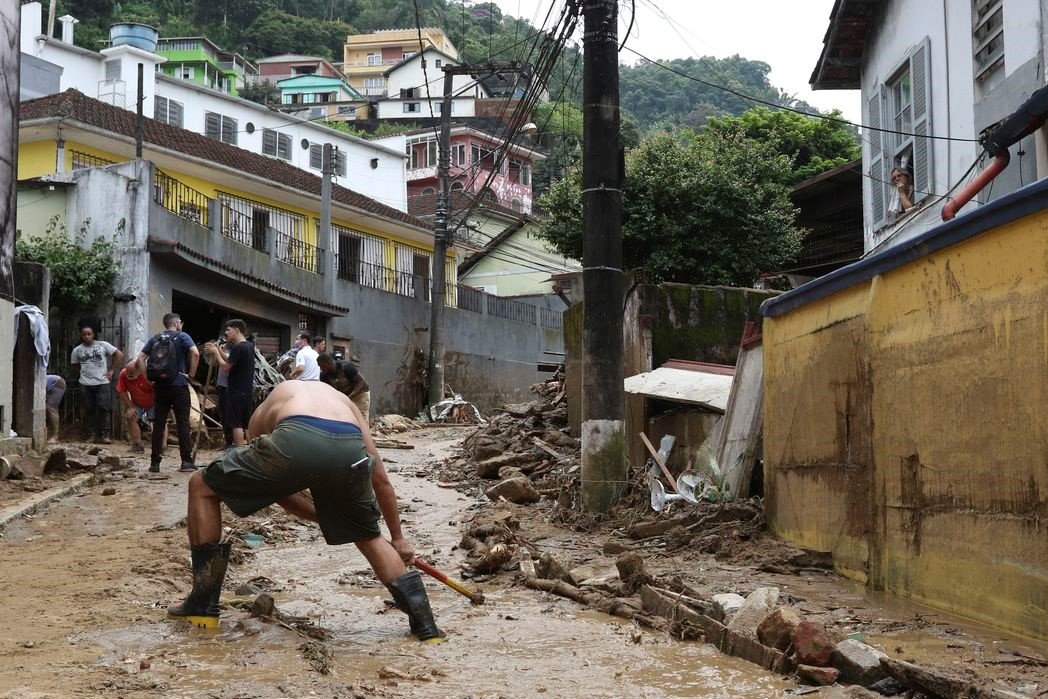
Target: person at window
<point>903,196</point>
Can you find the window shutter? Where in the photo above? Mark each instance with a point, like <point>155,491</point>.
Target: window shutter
<point>229,130</point>
<point>283,146</point>
<point>920,70</point>
<point>160,108</point>
<point>269,142</point>
<point>340,163</point>
<point>877,178</point>
<point>316,156</point>
<point>174,113</point>
<point>212,125</point>
<point>112,69</point>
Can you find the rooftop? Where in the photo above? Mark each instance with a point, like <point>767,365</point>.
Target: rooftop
<point>72,105</point>
<point>840,64</point>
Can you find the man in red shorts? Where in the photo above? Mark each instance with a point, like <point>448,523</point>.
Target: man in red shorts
<point>307,435</point>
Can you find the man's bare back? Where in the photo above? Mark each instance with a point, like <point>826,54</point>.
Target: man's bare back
<point>313,398</point>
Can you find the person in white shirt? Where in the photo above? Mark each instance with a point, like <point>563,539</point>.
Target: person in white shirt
<point>306,367</point>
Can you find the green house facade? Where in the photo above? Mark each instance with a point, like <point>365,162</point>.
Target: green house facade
<point>201,62</point>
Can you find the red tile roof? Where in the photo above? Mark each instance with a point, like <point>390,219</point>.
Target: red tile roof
<point>75,105</point>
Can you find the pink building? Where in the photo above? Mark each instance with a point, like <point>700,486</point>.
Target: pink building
<point>478,163</point>
<point>291,65</point>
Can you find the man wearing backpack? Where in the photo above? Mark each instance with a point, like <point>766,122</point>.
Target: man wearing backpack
<point>163,359</point>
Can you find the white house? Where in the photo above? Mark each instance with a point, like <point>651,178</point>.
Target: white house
<point>371,169</point>
<point>414,92</point>
<point>934,76</point>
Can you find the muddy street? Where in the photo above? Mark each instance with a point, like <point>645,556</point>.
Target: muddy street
<point>92,575</point>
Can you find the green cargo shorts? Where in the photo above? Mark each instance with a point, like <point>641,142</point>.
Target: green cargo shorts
<point>301,453</point>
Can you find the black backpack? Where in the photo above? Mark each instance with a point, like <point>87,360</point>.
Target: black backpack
<point>162,365</point>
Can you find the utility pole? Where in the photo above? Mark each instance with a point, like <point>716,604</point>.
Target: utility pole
<point>441,238</point>
<point>139,121</point>
<point>603,439</point>
<point>324,234</point>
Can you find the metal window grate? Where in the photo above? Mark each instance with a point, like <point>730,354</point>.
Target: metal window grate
<point>180,199</point>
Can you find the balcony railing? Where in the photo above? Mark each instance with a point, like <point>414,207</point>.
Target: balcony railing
<point>513,310</point>
<point>181,199</point>
<point>299,253</point>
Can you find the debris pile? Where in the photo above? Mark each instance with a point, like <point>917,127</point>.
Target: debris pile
<point>388,424</point>
<point>526,447</point>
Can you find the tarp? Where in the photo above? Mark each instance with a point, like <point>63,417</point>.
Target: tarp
<point>710,391</point>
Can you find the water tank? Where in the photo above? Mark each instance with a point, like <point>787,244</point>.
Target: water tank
<point>141,36</point>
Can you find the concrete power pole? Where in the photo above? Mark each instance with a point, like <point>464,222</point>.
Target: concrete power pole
<point>603,439</point>
<point>441,236</point>
<point>440,244</point>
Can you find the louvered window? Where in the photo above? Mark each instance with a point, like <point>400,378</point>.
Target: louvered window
<point>276,144</point>
<point>168,111</point>
<point>902,108</point>
<point>112,69</point>
<point>987,37</point>
<point>220,127</point>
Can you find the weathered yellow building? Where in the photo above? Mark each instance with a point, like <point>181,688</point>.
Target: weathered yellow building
<point>906,415</point>
<point>366,57</point>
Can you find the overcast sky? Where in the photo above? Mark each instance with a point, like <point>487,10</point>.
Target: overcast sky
<point>785,35</point>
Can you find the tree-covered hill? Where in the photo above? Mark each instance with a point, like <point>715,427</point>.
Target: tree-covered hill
<point>654,97</point>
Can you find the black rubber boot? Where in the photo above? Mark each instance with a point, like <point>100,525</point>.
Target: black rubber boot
<point>410,595</point>
<point>200,607</point>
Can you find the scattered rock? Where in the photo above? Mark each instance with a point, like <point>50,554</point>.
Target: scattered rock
<point>109,491</point>
<point>488,447</point>
<point>776,628</point>
<point>507,472</point>
<point>56,462</point>
<point>819,676</point>
<point>550,567</point>
<point>632,573</point>
<point>812,644</point>
<point>110,460</point>
<point>579,575</point>
<point>888,687</point>
<point>517,490</point>
<point>82,462</point>
<point>491,560</point>
<point>758,605</point>
<point>559,439</point>
<point>248,589</point>
<point>489,468</point>
<point>858,663</point>
<point>5,466</point>
<point>726,604</point>
<point>28,465</point>
<point>263,605</point>
<point>144,664</point>
<point>614,548</point>
<point>95,451</point>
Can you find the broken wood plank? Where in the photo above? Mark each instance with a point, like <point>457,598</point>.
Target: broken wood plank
<point>547,448</point>
<point>392,444</point>
<point>659,461</point>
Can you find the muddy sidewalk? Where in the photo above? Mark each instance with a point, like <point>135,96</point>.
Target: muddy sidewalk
<point>87,581</point>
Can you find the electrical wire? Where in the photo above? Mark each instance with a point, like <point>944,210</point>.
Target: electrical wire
<point>816,115</point>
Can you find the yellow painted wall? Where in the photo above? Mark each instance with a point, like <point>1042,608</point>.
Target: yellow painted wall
<point>941,365</point>
<point>35,159</point>
<point>38,158</point>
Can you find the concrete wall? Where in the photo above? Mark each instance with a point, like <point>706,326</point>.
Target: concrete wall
<point>489,360</point>
<point>905,416</point>
<point>667,321</point>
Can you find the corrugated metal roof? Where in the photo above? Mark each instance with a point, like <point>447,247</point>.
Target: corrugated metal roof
<point>683,386</point>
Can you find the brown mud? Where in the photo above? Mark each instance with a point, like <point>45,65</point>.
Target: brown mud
<point>87,580</point>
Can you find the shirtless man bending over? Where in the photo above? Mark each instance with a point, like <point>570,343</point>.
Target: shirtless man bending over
<point>312,437</point>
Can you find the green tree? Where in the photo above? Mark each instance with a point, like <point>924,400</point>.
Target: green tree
<point>697,208</point>
<point>263,92</point>
<point>82,273</point>
<point>813,145</point>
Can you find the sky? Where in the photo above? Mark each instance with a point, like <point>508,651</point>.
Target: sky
<point>785,35</point>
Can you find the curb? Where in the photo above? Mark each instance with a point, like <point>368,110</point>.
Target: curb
<point>37,500</point>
